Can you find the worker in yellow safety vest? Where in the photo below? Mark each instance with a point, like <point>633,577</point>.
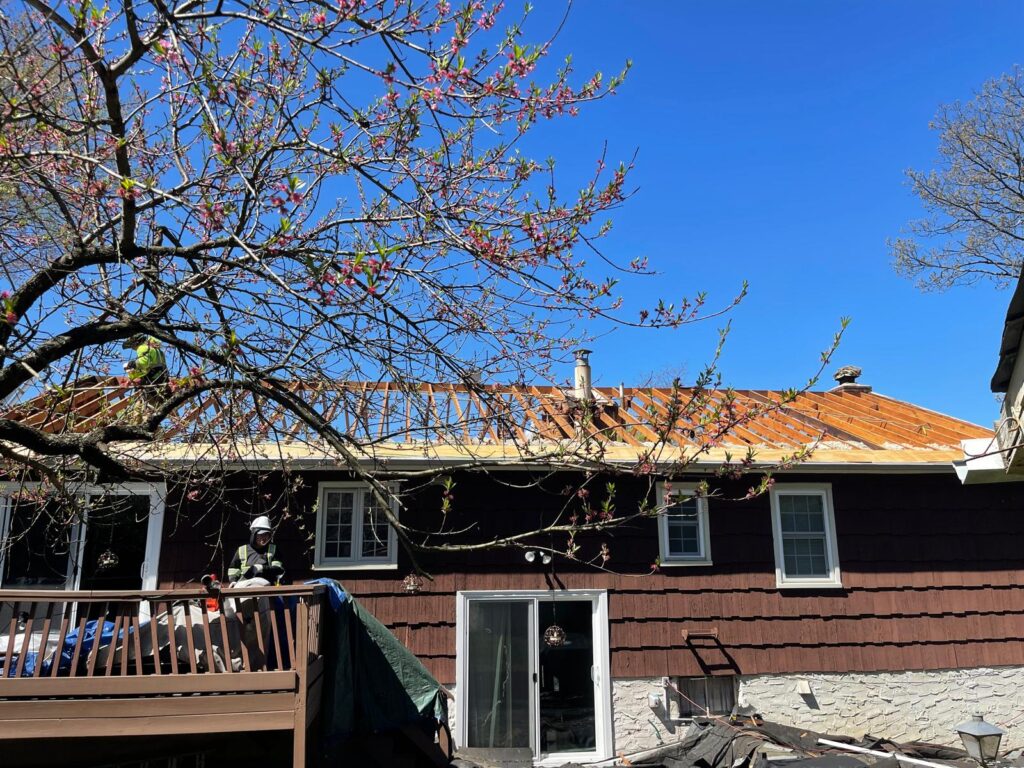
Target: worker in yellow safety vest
<point>149,368</point>
<point>258,558</point>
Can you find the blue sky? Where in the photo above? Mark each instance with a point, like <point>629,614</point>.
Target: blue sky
<point>772,141</point>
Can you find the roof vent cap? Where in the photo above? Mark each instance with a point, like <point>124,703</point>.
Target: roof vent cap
<point>847,374</point>
<point>846,377</point>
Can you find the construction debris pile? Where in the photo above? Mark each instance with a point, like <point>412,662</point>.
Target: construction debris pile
<point>750,742</point>
<point>756,743</point>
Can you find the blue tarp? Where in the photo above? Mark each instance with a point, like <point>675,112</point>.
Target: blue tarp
<point>67,651</point>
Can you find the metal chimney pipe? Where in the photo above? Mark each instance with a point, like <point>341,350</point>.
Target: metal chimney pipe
<point>583,387</point>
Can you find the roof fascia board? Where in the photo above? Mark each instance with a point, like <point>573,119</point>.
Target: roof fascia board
<point>397,465</point>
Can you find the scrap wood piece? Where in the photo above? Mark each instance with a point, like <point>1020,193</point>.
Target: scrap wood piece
<point>688,634</point>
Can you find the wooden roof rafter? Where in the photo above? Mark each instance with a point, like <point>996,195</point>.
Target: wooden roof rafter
<point>385,412</point>
<point>550,412</point>
<point>774,419</point>
<point>676,435</point>
<point>734,422</point>
<point>813,425</point>
<point>876,425</point>
<point>934,423</point>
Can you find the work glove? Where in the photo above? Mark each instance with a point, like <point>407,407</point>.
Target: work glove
<point>273,572</point>
<point>254,571</point>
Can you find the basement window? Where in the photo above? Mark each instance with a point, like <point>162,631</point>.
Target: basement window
<point>690,697</point>
<point>352,530</point>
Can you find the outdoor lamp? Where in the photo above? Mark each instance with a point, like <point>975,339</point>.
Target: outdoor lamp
<point>981,739</point>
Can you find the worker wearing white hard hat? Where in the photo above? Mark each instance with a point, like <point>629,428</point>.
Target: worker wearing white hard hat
<point>258,558</point>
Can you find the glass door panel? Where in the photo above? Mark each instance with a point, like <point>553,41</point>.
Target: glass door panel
<point>115,542</point>
<point>499,680</point>
<point>567,693</point>
<point>38,548</point>
<point>115,545</point>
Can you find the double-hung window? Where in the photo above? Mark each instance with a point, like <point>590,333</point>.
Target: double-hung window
<point>683,534</point>
<point>352,529</point>
<point>803,525</point>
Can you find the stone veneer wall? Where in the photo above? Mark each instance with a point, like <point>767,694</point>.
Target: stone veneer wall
<point>904,706</point>
<point>637,727</point>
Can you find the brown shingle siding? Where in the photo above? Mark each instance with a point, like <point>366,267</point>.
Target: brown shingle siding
<point>932,578</point>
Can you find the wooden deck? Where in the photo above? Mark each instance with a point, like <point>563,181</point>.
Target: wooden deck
<point>166,662</point>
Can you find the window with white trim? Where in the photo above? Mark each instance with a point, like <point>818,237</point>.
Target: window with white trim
<point>352,530</point>
<point>683,535</point>
<point>803,526</point>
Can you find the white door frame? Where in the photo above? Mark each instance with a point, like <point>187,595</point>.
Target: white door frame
<point>601,670</point>
<point>157,493</point>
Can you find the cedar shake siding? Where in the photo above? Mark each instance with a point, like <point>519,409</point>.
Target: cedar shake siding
<point>931,572</point>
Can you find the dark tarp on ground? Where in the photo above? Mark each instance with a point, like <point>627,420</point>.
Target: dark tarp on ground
<point>715,746</point>
<point>372,683</point>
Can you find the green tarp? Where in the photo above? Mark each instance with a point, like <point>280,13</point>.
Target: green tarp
<point>372,683</point>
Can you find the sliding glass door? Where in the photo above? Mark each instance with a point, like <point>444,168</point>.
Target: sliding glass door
<point>532,673</point>
<point>110,541</point>
<point>499,710</point>
<point>568,696</point>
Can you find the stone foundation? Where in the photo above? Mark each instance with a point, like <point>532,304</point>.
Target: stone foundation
<point>904,706</point>
<point>637,727</point>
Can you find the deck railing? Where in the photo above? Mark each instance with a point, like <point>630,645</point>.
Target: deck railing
<point>51,634</point>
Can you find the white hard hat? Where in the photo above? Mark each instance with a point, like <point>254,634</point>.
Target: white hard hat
<point>261,523</point>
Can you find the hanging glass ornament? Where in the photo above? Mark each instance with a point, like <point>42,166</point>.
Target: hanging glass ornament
<point>107,560</point>
<point>554,636</point>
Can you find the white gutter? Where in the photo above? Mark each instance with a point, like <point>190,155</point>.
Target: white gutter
<point>983,463</point>
<point>879,753</point>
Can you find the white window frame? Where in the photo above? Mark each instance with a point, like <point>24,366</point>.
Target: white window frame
<point>600,673</point>
<point>703,527</point>
<point>354,561</point>
<point>157,493</point>
<point>823,491</point>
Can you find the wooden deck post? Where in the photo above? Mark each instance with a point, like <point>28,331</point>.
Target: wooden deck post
<point>301,663</point>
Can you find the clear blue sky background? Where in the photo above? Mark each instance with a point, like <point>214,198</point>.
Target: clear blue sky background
<point>773,139</point>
